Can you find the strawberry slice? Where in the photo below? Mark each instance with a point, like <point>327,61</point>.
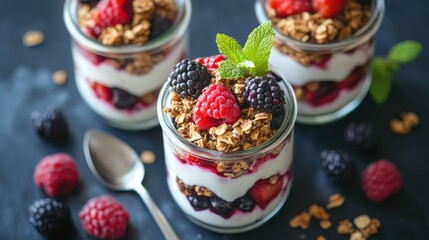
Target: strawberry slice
<point>329,8</point>
<point>266,190</point>
<point>102,91</point>
<point>284,8</point>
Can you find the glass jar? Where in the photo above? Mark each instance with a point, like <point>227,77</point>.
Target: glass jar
<point>222,191</point>
<point>121,83</point>
<point>329,79</point>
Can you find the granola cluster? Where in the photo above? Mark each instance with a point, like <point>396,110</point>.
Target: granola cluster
<point>314,28</point>
<point>361,228</point>
<point>404,125</point>
<point>137,32</point>
<point>252,129</point>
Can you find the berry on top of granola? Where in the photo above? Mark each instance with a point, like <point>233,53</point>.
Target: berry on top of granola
<point>232,109</point>
<point>120,22</point>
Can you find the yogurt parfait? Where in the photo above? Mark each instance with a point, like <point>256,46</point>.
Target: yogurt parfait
<point>325,49</point>
<point>227,125</point>
<point>123,51</point>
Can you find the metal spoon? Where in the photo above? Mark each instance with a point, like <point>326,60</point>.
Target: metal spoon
<point>117,166</point>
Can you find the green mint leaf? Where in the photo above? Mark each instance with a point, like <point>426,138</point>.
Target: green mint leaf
<point>247,64</point>
<point>381,81</point>
<point>257,48</point>
<point>229,47</point>
<point>229,70</point>
<point>391,65</point>
<point>405,52</point>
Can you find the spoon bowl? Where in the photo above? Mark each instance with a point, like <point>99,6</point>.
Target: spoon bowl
<point>117,166</point>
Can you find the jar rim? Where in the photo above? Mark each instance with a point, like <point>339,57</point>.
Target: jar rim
<point>285,129</point>
<point>359,37</point>
<point>178,29</point>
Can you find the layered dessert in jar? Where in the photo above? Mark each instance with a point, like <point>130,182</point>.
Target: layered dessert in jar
<point>123,51</point>
<point>228,135</point>
<point>324,48</point>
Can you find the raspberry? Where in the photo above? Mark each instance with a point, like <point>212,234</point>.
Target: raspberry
<point>50,124</point>
<point>105,218</point>
<point>362,135</point>
<point>380,180</point>
<point>212,62</point>
<point>329,8</point>
<point>189,78</point>
<point>284,8</point>
<point>56,174</point>
<point>111,12</point>
<point>50,217</point>
<point>264,94</point>
<point>338,166</point>
<point>215,106</point>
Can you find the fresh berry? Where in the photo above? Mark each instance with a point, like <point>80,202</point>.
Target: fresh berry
<point>264,94</point>
<point>105,218</point>
<point>50,124</point>
<point>212,62</point>
<point>380,180</point>
<point>102,91</point>
<point>199,202</point>
<point>338,166</point>
<point>122,99</point>
<point>277,119</point>
<point>362,135</point>
<point>329,8</point>
<point>56,174</point>
<point>221,207</point>
<point>50,217</point>
<point>216,105</point>
<point>111,12</point>
<point>326,93</point>
<point>93,32</point>
<point>189,78</point>
<point>245,203</point>
<point>158,26</point>
<point>266,190</point>
<point>284,8</point>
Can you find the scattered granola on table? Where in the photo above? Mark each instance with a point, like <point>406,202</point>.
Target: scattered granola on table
<point>404,125</point>
<point>33,38</point>
<point>59,77</point>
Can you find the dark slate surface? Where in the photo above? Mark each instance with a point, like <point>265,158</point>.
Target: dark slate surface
<point>25,85</point>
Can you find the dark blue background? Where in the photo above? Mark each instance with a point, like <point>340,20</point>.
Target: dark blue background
<point>26,85</point>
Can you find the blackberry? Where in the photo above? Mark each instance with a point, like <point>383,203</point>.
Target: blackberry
<point>122,99</point>
<point>263,93</point>
<point>158,26</point>
<point>277,119</point>
<point>363,136</point>
<point>199,202</point>
<point>189,78</point>
<point>221,207</point>
<point>50,217</point>
<point>338,166</point>
<point>245,203</point>
<point>50,124</point>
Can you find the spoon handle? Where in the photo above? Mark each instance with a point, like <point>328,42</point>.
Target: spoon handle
<point>159,217</point>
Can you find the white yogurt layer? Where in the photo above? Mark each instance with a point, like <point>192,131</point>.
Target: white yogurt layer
<point>339,66</point>
<point>344,97</point>
<point>107,110</point>
<point>137,85</point>
<point>226,188</point>
<point>237,219</point>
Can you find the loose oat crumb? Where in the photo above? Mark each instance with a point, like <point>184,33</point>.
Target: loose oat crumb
<point>335,200</point>
<point>362,221</point>
<point>33,38</point>
<point>357,236</point>
<point>148,157</point>
<point>404,125</point>
<point>320,237</point>
<point>325,224</point>
<point>59,77</point>
<point>345,227</point>
<point>301,220</point>
<point>318,212</point>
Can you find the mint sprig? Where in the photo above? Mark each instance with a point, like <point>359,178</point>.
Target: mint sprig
<point>250,60</point>
<point>383,68</point>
